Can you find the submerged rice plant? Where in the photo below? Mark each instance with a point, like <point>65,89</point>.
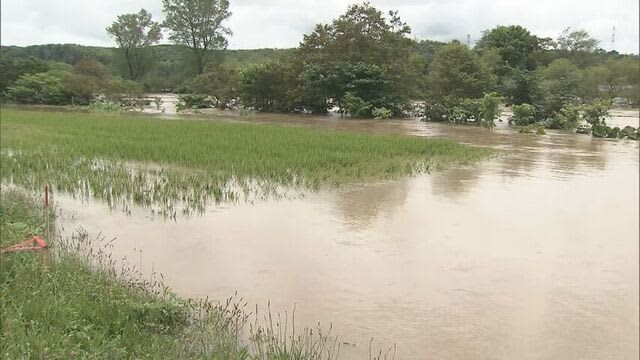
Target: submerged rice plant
<point>178,166</point>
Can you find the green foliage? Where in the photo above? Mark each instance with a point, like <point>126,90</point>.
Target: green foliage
<point>577,41</point>
<point>521,86</point>
<point>106,106</point>
<point>560,83</point>
<point>40,88</point>
<point>197,24</point>
<point>570,117</point>
<point>355,106</point>
<point>441,109</point>
<point>523,114</point>
<point>602,130</point>
<point>214,152</point>
<point>265,87</point>
<point>615,77</point>
<point>628,132</point>
<point>596,112</point>
<point>134,33</point>
<point>567,118</point>
<point>514,44</point>
<point>381,113</point>
<point>11,69</point>
<point>490,107</point>
<point>88,80</point>
<point>456,71</point>
<point>463,110</point>
<point>65,310</point>
<point>531,128</point>
<point>219,83</point>
<point>191,101</point>
<point>363,53</point>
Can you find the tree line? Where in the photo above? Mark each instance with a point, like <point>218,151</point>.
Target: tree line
<point>363,64</point>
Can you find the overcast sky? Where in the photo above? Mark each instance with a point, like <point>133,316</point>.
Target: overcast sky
<point>281,23</point>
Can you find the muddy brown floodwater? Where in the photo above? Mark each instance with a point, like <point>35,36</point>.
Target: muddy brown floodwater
<point>533,255</point>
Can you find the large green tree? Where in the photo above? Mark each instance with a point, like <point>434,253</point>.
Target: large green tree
<point>362,56</point>
<point>514,44</point>
<point>560,85</point>
<point>577,41</point>
<point>134,33</point>
<point>198,24</point>
<point>457,71</point>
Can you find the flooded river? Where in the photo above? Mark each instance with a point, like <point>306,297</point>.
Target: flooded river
<point>533,255</point>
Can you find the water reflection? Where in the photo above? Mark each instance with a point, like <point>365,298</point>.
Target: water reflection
<point>455,182</point>
<point>360,206</point>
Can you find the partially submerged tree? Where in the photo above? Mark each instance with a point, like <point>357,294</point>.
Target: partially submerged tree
<point>134,33</point>
<point>457,71</point>
<point>198,24</point>
<point>362,57</point>
<point>560,85</point>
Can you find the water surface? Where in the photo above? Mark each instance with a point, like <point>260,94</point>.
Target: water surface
<point>533,255</point>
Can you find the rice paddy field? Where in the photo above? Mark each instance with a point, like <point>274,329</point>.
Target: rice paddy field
<point>81,304</point>
<point>173,165</point>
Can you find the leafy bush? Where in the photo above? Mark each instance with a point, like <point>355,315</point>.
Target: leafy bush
<point>452,109</point>
<point>529,129</point>
<point>265,87</point>
<point>355,106</point>
<point>490,107</point>
<point>106,106</point>
<point>603,131</point>
<point>567,118</point>
<point>381,113</point>
<point>41,88</point>
<point>191,101</point>
<point>439,110</point>
<point>597,111</point>
<point>523,114</point>
<point>613,133</point>
<point>467,110</point>
<point>583,129</point>
<point>629,132</point>
<point>220,84</point>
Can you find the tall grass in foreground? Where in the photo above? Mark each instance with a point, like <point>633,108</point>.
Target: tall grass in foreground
<point>85,304</point>
<point>152,161</point>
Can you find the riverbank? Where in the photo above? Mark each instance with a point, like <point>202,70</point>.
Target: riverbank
<point>76,305</point>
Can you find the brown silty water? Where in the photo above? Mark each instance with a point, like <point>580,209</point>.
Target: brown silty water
<point>532,255</point>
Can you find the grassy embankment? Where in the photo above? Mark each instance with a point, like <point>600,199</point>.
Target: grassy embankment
<point>199,161</point>
<point>77,306</point>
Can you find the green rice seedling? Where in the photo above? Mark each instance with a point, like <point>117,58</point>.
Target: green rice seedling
<point>174,165</point>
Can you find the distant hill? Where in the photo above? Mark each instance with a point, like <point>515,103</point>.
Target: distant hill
<point>70,53</point>
<point>168,65</point>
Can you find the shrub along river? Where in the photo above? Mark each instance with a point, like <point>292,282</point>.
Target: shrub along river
<point>531,255</point>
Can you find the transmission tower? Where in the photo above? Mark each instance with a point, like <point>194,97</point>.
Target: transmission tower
<point>613,39</point>
<point>469,41</point>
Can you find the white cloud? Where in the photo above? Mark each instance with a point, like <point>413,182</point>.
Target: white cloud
<point>281,23</point>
